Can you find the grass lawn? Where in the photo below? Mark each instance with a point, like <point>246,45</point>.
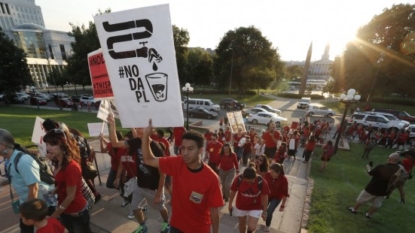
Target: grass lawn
<point>338,188</point>
<point>339,107</point>
<point>249,100</point>
<point>20,120</point>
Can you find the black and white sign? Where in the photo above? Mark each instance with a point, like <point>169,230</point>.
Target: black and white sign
<point>139,53</point>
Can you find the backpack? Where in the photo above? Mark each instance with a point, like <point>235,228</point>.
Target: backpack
<point>84,149</point>
<point>397,179</point>
<point>259,183</point>
<point>45,172</point>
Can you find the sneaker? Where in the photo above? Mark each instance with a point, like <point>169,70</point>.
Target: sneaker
<point>165,227</point>
<point>125,203</point>
<point>352,210</point>
<point>97,198</point>
<point>266,229</point>
<point>131,215</point>
<point>141,229</point>
<point>368,216</point>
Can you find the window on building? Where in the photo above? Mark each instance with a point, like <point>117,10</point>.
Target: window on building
<point>2,8</point>
<point>51,52</point>
<point>7,8</point>
<point>63,52</point>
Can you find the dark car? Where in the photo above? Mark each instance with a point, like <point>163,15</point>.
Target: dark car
<point>202,113</point>
<point>229,102</point>
<point>66,103</point>
<point>75,98</point>
<point>38,101</point>
<point>399,114</point>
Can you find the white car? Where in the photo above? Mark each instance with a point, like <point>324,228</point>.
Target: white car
<point>376,120</point>
<point>411,130</point>
<point>87,99</point>
<point>269,108</point>
<point>318,109</point>
<point>252,111</point>
<point>264,118</point>
<point>392,118</point>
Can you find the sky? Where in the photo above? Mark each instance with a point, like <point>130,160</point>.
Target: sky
<point>290,25</point>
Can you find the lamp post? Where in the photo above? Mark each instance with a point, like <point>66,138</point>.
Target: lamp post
<point>230,78</point>
<point>51,74</point>
<point>350,98</point>
<point>187,88</point>
<point>370,96</point>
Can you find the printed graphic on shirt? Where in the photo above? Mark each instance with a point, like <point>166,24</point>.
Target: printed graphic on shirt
<point>196,197</point>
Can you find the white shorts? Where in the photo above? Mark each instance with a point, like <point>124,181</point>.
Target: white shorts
<point>142,197</point>
<point>242,213</point>
<point>365,197</point>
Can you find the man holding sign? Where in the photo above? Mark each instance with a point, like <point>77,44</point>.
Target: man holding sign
<point>196,193</point>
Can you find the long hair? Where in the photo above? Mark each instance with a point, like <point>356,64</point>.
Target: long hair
<point>67,144</point>
<point>277,168</point>
<point>264,167</point>
<point>222,151</point>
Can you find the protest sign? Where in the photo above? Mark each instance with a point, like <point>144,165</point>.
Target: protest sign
<point>236,121</point>
<point>139,54</point>
<point>37,135</point>
<point>105,108</point>
<point>100,81</point>
<point>94,129</point>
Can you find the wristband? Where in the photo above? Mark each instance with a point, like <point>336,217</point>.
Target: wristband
<point>62,207</point>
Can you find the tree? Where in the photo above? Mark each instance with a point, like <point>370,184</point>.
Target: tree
<point>86,41</point>
<point>58,77</point>
<point>199,66</point>
<point>293,72</point>
<point>246,59</point>
<point>376,63</point>
<point>181,39</point>
<point>14,72</point>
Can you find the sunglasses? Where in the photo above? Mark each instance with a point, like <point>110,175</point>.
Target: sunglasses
<point>59,131</point>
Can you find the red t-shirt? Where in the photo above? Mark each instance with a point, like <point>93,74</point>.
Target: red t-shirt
<point>165,143</point>
<point>129,163</point>
<point>214,148</point>
<point>252,136</point>
<point>194,194</point>
<point>220,137</point>
<point>310,145</point>
<point>278,187</point>
<point>408,164</point>
<point>115,158</point>
<point>227,162</point>
<point>236,139</point>
<point>268,139</point>
<point>177,134</point>
<point>228,136</point>
<point>279,155</point>
<point>53,226</point>
<point>208,136</point>
<point>248,196</point>
<point>70,176</point>
<point>247,147</point>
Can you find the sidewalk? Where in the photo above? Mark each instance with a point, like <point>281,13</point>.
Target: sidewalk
<point>108,216</point>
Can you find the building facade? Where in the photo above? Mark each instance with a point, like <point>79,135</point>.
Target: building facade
<point>22,21</point>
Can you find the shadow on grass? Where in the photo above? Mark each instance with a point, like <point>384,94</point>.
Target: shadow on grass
<point>338,187</point>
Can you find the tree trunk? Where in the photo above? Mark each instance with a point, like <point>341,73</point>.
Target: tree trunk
<point>76,91</point>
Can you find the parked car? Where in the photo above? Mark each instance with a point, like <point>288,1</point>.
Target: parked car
<point>393,118</point>
<point>65,102</point>
<point>87,99</point>
<point>226,103</point>
<point>43,96</point>
<point>411,130</point>
<point>205,103</point>
<point>399,114</point>
<point>201,112</point>
<point>76,98</point>
<point>1,96</point>
<point>37,101</point>
<point>23,95</point>
<point>304,102</point>
<point>252,111</point>
<point>376,121</point>
<point>269,108</point>
<point>264,118</point>
<point>318,109</point>
<point>13,98</point>
<point>61,95</point>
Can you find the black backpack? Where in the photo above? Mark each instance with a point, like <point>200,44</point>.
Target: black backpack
<point>84,149</point>
<point>45,171</point>
<point>240,177</point>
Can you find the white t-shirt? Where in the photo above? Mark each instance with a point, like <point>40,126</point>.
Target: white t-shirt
<point>259,149</point>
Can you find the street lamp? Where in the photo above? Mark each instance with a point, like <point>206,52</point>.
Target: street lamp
<point>370,96</point>
<point>187,88</point>
<point>350,98</point>
<point>230,78</point>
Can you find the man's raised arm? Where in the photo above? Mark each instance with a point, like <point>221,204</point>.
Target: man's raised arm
<point>148,156</point>
<point>113,136</point>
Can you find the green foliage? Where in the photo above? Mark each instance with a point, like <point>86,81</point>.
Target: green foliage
<point>338,187</point>
<point>57,77</point>
<point>246,59</point>
<point>293,72</point>
<point>361,64</point>
<point>14,72</point>
<point>181,39</point>
<point>199,66</point>
<point>298,96</point>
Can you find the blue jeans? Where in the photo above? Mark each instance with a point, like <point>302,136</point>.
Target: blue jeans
<point>77,224</point>
<point>111,178</point>
<point>239,152</point>
<point>272,205</point>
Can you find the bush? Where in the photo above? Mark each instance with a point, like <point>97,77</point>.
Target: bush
<point>406,102</point>
<point>222,92</point>
<point>297,96</point>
